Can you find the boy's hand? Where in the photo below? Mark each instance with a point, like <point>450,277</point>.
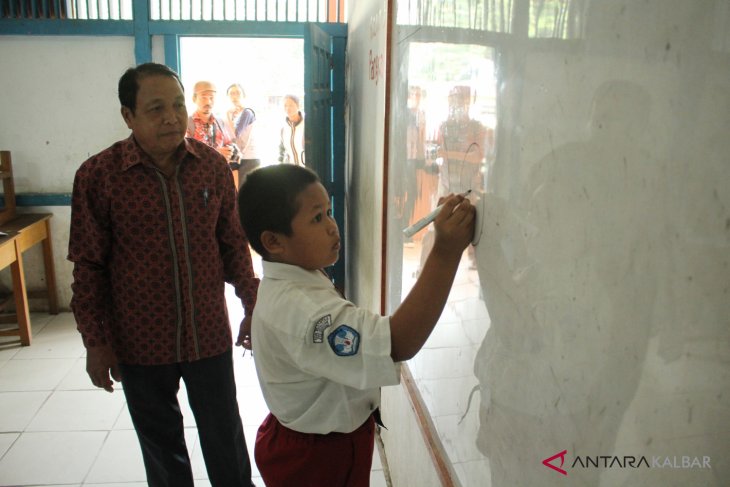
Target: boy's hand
<point>454,224</point>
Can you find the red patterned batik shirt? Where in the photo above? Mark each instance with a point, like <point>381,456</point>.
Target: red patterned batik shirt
<point>212,133</point>
<point>152,254</point>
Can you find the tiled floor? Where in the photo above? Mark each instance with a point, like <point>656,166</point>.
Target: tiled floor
<point>57,429</point>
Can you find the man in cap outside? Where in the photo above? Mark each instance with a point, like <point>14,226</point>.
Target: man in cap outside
<point>205,127</point>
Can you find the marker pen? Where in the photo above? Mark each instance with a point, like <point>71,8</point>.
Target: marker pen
<point>423,222</point>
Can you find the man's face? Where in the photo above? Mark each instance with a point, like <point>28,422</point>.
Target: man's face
<point>159,120</point>
<point>458,107</point>
<point>204,100</point>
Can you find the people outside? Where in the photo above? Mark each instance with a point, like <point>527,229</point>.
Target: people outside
<point>291,146</point>
<point>320,359</point>
<point>425,183</point>
<point>462,145</point>
<point>204,126</point>
<point>420,149</point>
<point>154,237</point>
<point>240,121</point>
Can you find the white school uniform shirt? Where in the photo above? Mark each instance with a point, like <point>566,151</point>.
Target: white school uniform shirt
<point>320,359</point>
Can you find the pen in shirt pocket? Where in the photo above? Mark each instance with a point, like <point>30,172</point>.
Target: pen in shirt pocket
<point>205,197</point>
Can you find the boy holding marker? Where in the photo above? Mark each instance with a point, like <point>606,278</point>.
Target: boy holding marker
<point>320,359</point>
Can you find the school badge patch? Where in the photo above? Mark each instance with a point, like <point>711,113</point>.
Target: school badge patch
<point>319,327</point>
<point>344,341</point>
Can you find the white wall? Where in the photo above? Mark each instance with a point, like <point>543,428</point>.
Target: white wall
<point>365,118</point>
<point>60,106</point>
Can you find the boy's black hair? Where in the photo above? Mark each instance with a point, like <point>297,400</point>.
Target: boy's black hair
<point>268,200</point>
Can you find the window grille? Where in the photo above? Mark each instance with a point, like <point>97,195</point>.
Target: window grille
<point>489,15</point>
<point>332,11</point>
<point>558,19</point>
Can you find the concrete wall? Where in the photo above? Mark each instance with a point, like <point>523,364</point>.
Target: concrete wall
<point>59,107</point>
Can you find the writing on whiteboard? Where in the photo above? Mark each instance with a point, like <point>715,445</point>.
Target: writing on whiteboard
<point>376,66</point>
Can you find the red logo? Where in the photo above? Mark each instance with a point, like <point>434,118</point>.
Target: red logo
<point>547,461</point>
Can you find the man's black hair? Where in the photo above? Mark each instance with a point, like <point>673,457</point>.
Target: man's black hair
<point>129,82</point>
<point>268,200</point>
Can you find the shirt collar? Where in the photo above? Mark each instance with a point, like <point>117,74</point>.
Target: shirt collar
<point>132,153</point>
<point>198,118</point>
<point>294,124</point>
<point>277,271</point>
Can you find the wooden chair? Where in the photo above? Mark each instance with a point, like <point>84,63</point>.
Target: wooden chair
<point>7,210</point>
<point>19,233</point>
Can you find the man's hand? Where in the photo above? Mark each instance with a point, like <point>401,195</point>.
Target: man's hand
<point>101,363</point>
<point>244,333</point>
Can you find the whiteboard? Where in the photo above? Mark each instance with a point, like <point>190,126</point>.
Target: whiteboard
<point>591,323</point>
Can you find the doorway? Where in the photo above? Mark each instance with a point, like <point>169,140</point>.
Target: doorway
<point>267,68</point>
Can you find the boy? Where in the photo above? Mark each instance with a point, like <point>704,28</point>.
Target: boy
<point>320,359</point>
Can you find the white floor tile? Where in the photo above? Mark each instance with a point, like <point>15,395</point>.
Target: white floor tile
<point>54,343</point>
<point>65,458</point>
<point>46,394</point>
<point>124,421</point>
<point>119,460</point>
<point>62,320</point>
<point>79,411</point>
<point>249,432</point>
<point>78,380</point>
<point>8,349</point>
<point>6,440</point>
<point>122,484</point>
<point>17,409</point>
<point>34,374</point>
<point>377,479</point>
<point>377,463</point>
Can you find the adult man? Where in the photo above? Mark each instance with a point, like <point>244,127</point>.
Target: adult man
<point>154,235</point>
<point>205,127</point>
<point>462,144</point>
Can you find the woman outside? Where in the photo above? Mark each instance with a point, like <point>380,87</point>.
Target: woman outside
<point>291,147</point>
<point>241,124</point>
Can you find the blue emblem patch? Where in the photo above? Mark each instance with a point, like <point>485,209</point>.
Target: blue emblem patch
<point>344,341</point>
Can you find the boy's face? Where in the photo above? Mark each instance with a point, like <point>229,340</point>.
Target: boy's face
<point>315,239</point>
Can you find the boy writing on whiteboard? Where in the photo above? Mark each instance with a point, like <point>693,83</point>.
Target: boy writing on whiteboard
<point>320,359</point>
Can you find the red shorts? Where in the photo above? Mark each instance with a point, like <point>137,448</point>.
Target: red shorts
<point>287,458</point>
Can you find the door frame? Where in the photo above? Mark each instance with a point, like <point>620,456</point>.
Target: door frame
<point>171,33</point>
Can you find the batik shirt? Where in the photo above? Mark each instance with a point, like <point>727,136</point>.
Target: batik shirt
<point>212,133</point>
<point>152,254</point>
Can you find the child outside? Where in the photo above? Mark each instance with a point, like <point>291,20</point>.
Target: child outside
<point>320,359</point>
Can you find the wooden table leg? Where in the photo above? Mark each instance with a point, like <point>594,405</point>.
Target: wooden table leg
<point>21,299</point>
<point>50,271</point>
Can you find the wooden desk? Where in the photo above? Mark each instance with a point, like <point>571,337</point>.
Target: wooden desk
<point>25,231</point>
